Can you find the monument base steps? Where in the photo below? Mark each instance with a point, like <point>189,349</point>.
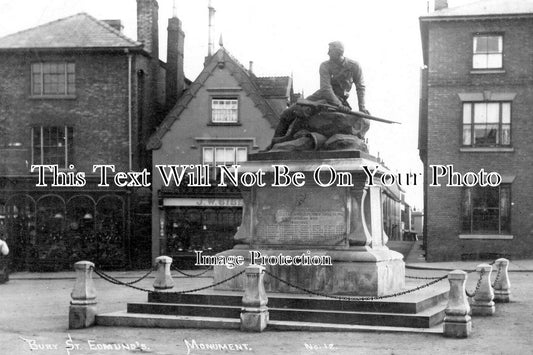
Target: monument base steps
<point>422,311</point>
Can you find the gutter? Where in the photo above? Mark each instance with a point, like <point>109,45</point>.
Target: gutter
<point>429,18</point>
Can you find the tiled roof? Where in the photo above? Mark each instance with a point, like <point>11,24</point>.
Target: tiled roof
<point>76,31</point>
<point>268,86</point>
<point>246,80</point>
<point>274,86</point>
<point>487,8</point>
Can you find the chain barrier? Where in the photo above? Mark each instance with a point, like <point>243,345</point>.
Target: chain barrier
<point>356,299</point>
<point>497,275</point>
<point>420,277</point>
<point>115,281</point>
<point>477,285</point>
<point>189,275</point>
<point>433,281</point>
<point>142,277</point>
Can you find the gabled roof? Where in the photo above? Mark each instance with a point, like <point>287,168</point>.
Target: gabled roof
<point>274,86</point>
<point>485,8</point>
<point>80,31</point>
<point>248,82</point>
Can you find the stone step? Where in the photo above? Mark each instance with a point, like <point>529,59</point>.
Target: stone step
<point>424,319</point>
<point>124,319</point>
<point>408,304</point>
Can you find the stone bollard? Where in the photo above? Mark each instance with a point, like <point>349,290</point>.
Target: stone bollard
<point>457,322</point>
<point>254,311</point>
<point>502,286</point>
<point>482,303</point>
<point>82,310</point>
<point>163,279</point>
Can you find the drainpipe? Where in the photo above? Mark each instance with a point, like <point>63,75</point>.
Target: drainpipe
<point>130,158</point>
<point>130,153</point>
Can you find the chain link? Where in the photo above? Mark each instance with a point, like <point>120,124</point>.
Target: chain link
<point>355,299</point>
<point>113,280</point>
<point>116,281</point>
<point>142,277</point>
<point>477,285</point>
<point>209,286</point>
<point>497,275</point>
<point>421,278</point>
<point>189,275</point>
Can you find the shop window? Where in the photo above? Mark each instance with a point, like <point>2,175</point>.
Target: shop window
<point>207,229</point>
<point>80,228</point>
<point>51,246</point>
<point>110,223</point>
<point>20,230</point>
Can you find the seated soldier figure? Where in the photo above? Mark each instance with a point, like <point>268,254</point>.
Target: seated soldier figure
<point>337,75</point>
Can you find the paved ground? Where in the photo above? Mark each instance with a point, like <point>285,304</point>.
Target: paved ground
<point>34,309</point>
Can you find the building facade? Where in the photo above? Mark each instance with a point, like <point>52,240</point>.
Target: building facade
<point>225,114</point>
<point>476,103</point>
<point>72,102</point>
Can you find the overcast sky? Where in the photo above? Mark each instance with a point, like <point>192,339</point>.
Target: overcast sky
<point>290,37</point>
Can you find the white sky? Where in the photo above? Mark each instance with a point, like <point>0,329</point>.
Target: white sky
<point>285,37</point>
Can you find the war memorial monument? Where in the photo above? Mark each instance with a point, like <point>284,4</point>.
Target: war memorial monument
<point>316,221</point>
<point>311,251</point>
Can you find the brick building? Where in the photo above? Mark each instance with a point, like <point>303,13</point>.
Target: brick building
<point>476,103</point>
<point>226,113</point>
<point>74,93</point>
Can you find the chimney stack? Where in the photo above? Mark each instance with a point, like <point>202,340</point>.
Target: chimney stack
<point>211,34</point>
<point>251,67</point>
<point>147,26</point>
<point>116,24</point>
<point>175,76</point>
<point>441,4</point>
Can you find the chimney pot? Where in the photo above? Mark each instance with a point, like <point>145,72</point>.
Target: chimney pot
<point>211,30</point>
<point>116,24</point>
<point>441,4</point>
<point>251,67</point>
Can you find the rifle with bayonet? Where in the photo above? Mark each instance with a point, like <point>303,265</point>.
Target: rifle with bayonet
<point>326,125</point>
<point>330,108</point>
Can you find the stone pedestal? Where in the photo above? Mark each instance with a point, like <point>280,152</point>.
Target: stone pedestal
<point>316,208</point>
<point>502,286</point>
<point>254,314</point>
<point>163,279</point>
<point>482,303</point>
<point>82,310</point>
<point>457,322</point>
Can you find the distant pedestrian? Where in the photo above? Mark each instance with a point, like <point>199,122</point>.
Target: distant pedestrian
<point>4,271</point>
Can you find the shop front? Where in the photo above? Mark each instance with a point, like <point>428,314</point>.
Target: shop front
<point>193,221</point>
<point>50,230</point>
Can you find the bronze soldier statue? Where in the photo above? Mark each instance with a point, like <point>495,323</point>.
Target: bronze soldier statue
<point>305,126</point>
<point>337,75</point>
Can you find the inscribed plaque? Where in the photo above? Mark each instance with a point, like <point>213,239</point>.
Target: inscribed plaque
<point>307,216</point>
